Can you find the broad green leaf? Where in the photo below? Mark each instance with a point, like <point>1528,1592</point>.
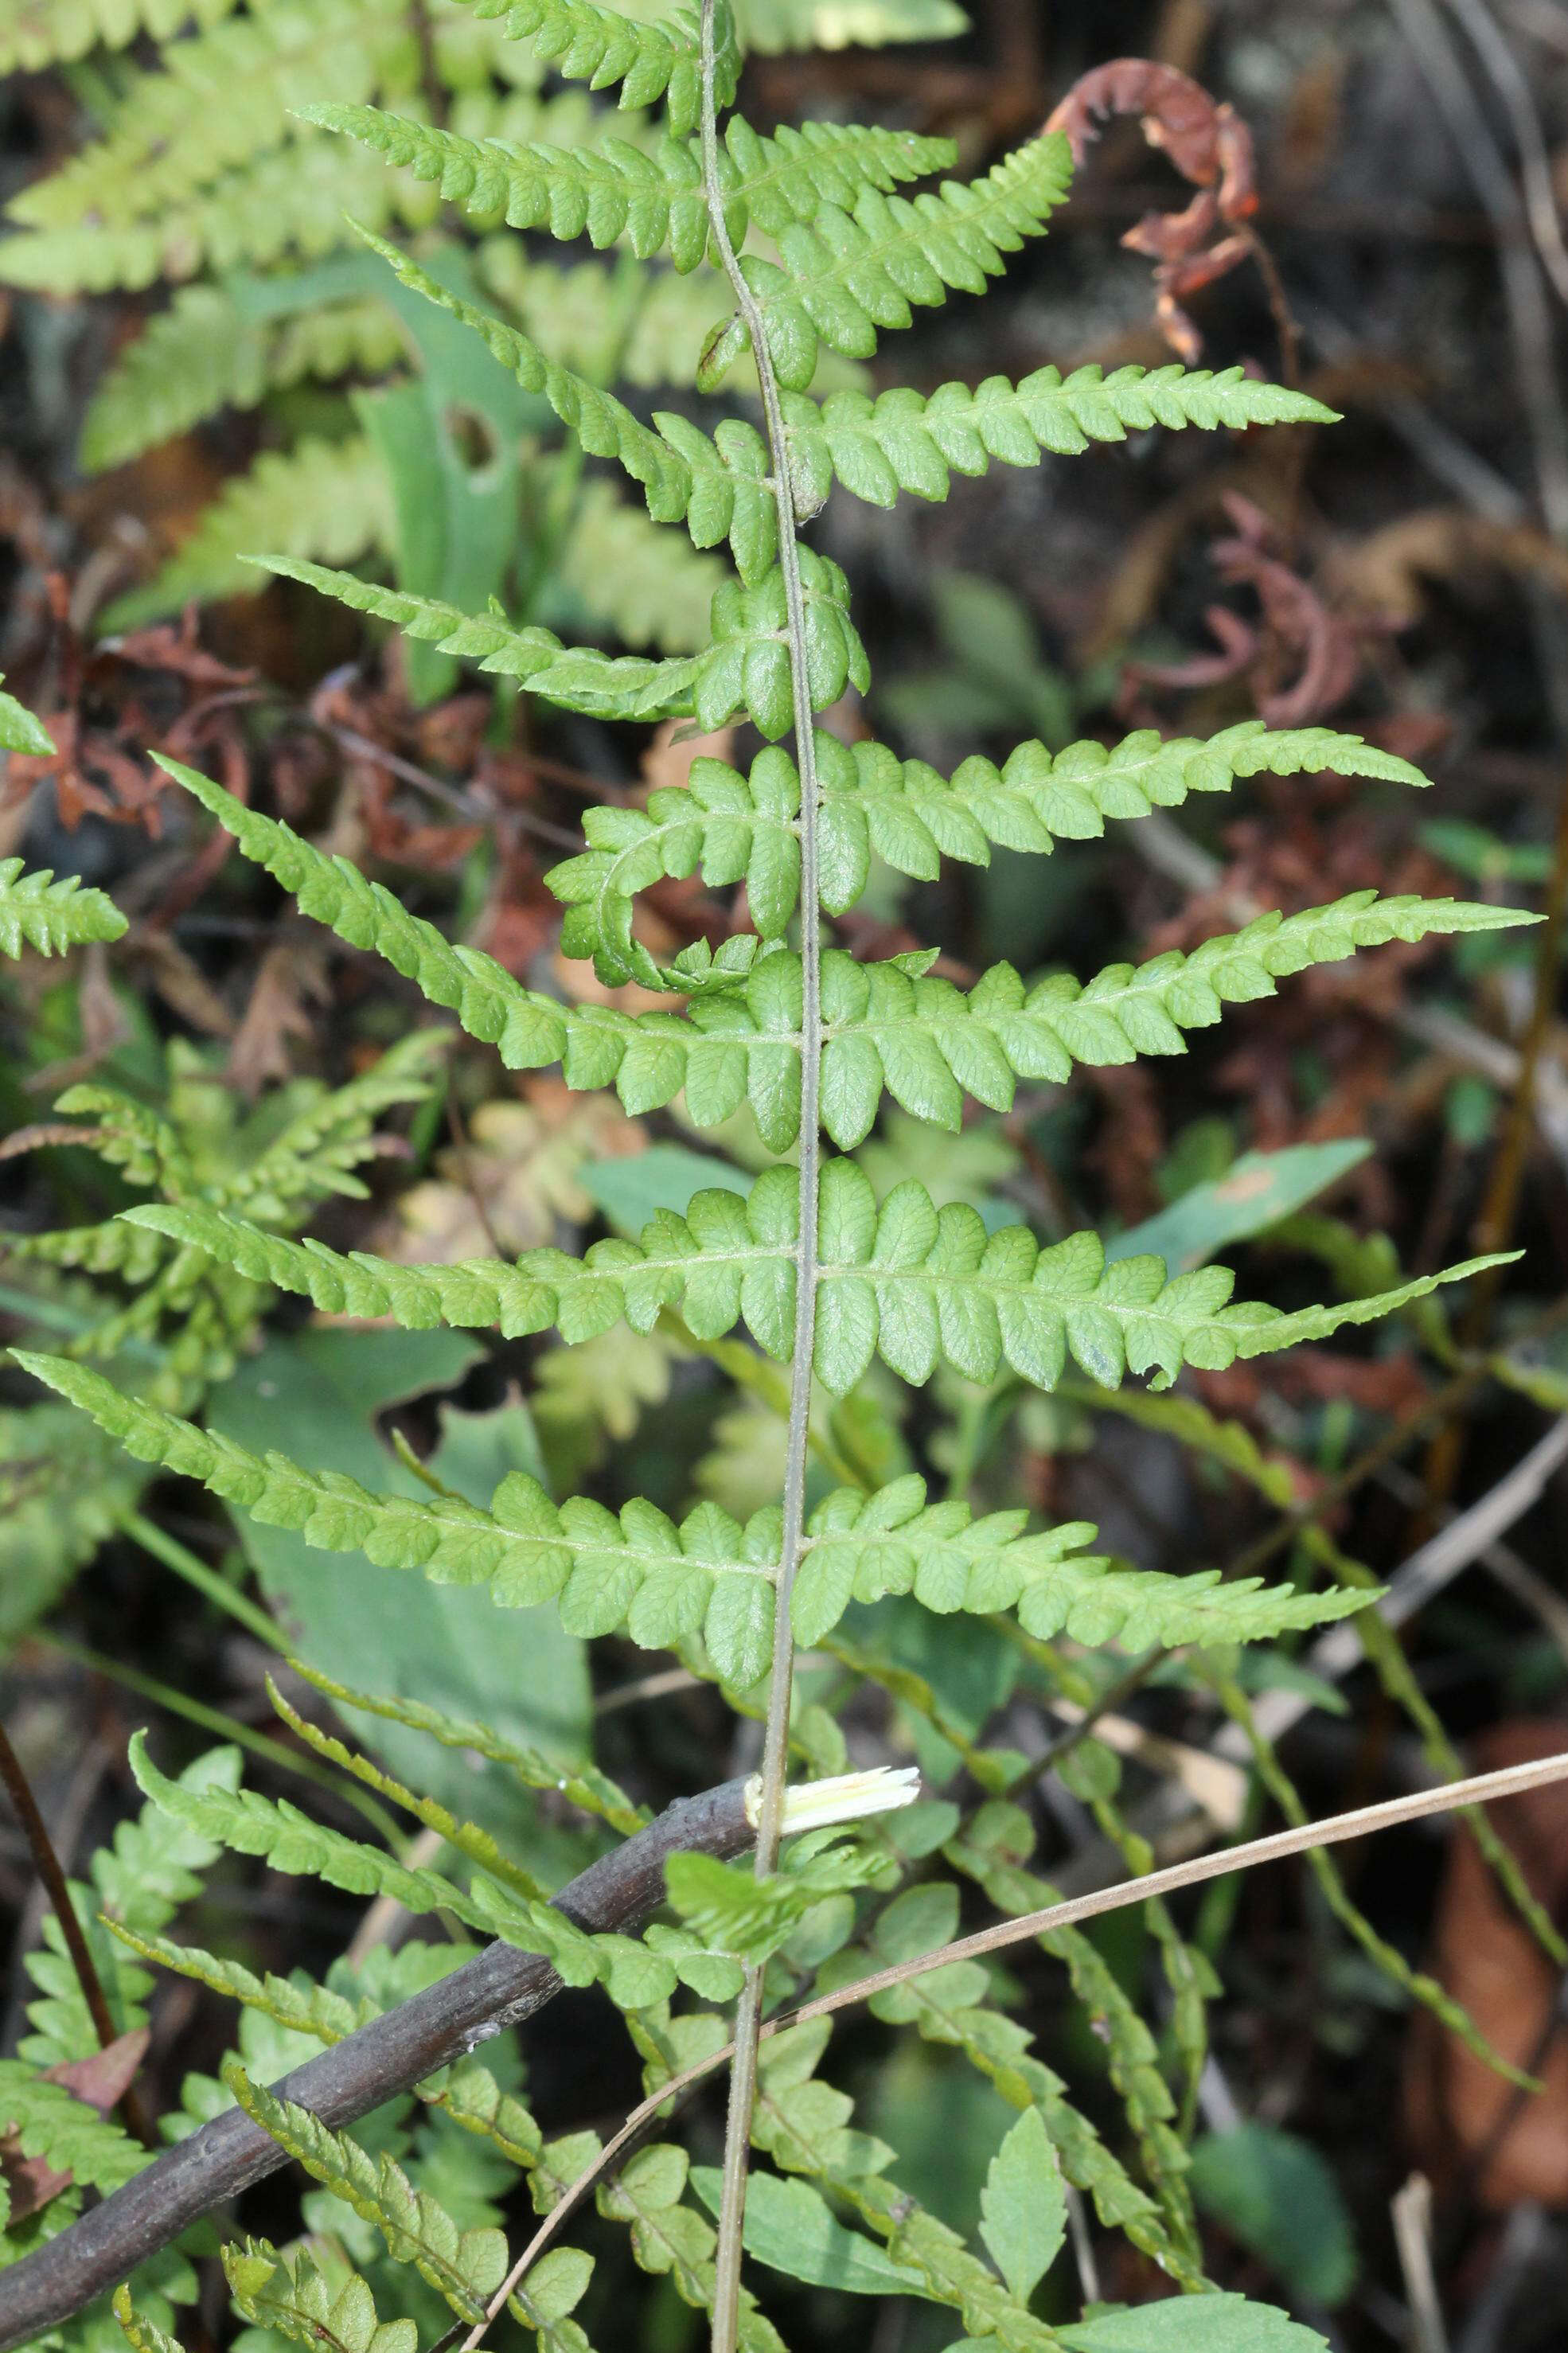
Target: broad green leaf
<point>1193,2323</point>
<point>1023,2208</point>
<point>1276,2195</point>
<point>791,2227</point>
<point>1254,1193</point>
<point>316,1396</point>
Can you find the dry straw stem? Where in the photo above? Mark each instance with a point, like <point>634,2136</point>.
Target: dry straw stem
<point>1481,1789</point>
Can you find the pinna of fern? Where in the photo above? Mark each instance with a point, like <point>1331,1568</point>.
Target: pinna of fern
<point>825,1277</point>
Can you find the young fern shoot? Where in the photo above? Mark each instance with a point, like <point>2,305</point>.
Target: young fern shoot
<point>826,1276</point>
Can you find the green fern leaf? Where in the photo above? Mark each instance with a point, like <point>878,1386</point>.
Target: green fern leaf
<point>911,1283</point>
<point>951,2006</point>
<point>465,2267</point>
<point>20,732</point>
<point>37,912</point>
<point>628,687</point>
<point>913,818</point>
<point>289,203</point>
<point>51,2123</point>
<point>299,2009</point>
<point>929,1044</point>
<point>745,828</point>
<point>717,487</point>
<point>207,352</point>
<point>468,1838</point>
<point>906,440</point>
<point>709,1575</point>
<point>671,2241</point>
<point>321,498</point>
<point>655,202</point>
<point>316,1152</point>
<point>602,47</point>
<point>141,2334</point>
<point>582,1785</point>
<point>290,2293</point>
<point>249,1823</point>
<point>549,2293</point>
<point>220,100</point>
<point>850,275</point>
<point>744,666</point>
<point>39,33</point>
<point>992,1850</point>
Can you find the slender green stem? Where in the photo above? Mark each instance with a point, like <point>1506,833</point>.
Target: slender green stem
<point>174,1555</point>
<point>776,1745</point>
<point>227,1728</point>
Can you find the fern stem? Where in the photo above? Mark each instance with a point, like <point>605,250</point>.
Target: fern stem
<point>209,1581</point>
<point>775,1744</point>
<point>48,1866</point>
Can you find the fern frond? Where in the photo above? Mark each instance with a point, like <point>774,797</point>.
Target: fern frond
<point>549,2293</point>
<point>37,912</point>
<point>39,33</point>
<point>465,2267</point>
<point>744,666</point>
<point>804,2125</point>
<point>51,2123</point>
<point>299,2009</point>
<point>992,1850</point>
<point>906,440</point>
<point>21,732</point>
<point>142,2336</point>
<point>321,498</point>
<point>467,1838</point>
<point>290,2293</point>
<point>133,1137</point>
<point>717,487</point>
<point>317,1151</point>
<point>745,828</point>
<point>580,1784</point>
<point>220,100</point>
<point>248,1823</point>
<point>654,201</point>
<point>603,47</point>
<point>708,1574</point>
<point>207,352</point>
<point>852,274</point>
<point>672,2241</point>
<point>909,1282</point>
<point>287,203</point>
<point>929,1044</point>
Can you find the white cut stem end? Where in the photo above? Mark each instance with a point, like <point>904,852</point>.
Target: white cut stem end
<point>847,1798</point>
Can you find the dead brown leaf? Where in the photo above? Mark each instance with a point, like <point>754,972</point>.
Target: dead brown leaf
<point>1464,2122</point>
<point>101,2081</point>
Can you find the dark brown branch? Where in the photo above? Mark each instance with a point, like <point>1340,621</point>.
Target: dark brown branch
<point>496,1989</point>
